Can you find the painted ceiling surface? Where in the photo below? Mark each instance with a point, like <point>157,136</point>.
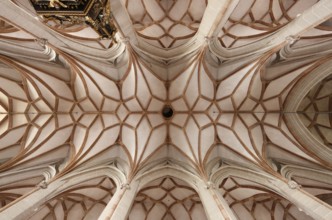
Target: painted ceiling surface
<point>249,82</point>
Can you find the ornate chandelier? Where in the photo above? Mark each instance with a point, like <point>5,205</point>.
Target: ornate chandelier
<point>95,13</point>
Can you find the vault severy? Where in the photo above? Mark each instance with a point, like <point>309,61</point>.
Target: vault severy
<point>75,105</point>
<point>315,109</point>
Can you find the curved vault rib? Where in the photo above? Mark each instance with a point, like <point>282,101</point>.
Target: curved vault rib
<point>292,104</point>
<point>167,198</point>
<point>76,108</point>
<point>305,21</point>
<point>87,199</point>
<point>157,22</point>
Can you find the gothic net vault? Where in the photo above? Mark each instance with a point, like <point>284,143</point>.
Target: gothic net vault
<point>84,133</point>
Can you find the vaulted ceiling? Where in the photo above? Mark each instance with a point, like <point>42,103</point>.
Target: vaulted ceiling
<point>249,82</point>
